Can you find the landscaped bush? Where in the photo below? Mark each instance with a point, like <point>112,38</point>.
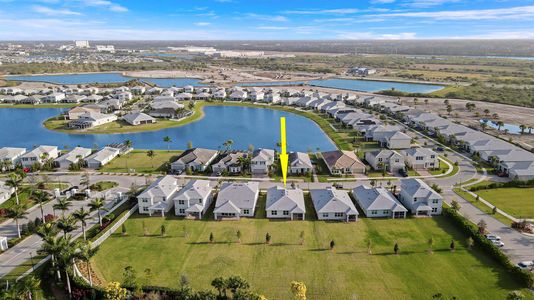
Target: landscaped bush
<point>487,246</point>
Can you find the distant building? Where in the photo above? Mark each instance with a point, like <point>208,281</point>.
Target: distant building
<point>105,48</point>
<point>81,44</point>
<point>358,71</point>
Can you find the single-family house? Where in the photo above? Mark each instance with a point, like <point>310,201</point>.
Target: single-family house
<point>39,155</point>
<point>283,203</point>
<point>420,198</point>
<point>72,157</point>
<point>343,162</point>
<point>193,199</point>
<point>5,192</point>
<point>299,163</point>
<point>262,160</point>
<point>378,202</point>
<point>76,112</point>
<point>138,118</point>
<point>333,204</point>
<point>230,162</point>
<point>385,159</point>
<point>236,199</point>
<point>158,196</point>
<point>53,98</point>
<point>10,157</point>
<point>420,158</point>
<point>184,96</point>
<point>101,157</point>
<point>195,159</point>
<point>396,140</point>
<point>238,95</point>
<point>92,119</point>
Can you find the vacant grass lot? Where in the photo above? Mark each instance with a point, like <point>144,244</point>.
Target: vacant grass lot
<point>141,163</point>
<point>344,273</point>
<point>518,202</point>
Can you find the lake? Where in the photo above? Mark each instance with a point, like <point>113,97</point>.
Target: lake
<point>345,84</point>
<point>87,78</point>
<point>243,125</point>
<point>512,128</point>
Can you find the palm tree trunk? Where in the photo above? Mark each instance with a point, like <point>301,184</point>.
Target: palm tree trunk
<point>68,282</point>
<point>18,227</point>
<point>17,195</point>
<point>53,266</point>
<point>89,272</point>
<point>42,212</point>
<point>99,218</point>
<point>83,230</point>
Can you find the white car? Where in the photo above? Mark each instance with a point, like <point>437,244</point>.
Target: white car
<point>497,243</point>
<point>528,264</point>
<point>493,237</point>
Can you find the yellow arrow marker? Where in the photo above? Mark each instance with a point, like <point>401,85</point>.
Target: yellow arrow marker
<point>283,154</point>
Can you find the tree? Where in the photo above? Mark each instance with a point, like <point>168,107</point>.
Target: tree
<point>494,210</point>
<point>499,125</point>
<point>211,237</point>
<point>14,182</point>
<point>163,229</point>
<point>18,212</point>
<point>98,206</point>
<point>220,285</point>
<point>470,243</point>
<point>482,225</point>
<point>66,224</point>
<point>41,197</point>
<point>515,295</point>
<point>267,238</point>
<point>123,229</point>
<point>85,180</point>
<point>236,283</point>
<point>452,246</point>
<point>238,235</point>
<point>332,244</point>
<point>301,237</point>
<point>67,252</point>
<point>455,205</point>
<point>523,127</point>
<point>369,245</point>
<point>151,154</point>
<point>168,141</point>
<point>114,291</point>
<point>483,126</point>
<point>430,245</point>
<point>486,112</point>
<point>129,277</point>
<point>63,205</point>
<point>84,253</point>
<point>128,144</point>
<point>299,290</point>
<point>228,144</point>
<point>396,248</point>
<point>189,145</point>
<point>82,215</point>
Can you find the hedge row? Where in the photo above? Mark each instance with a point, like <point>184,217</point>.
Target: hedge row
<point>510,184</point>
<point>523,276</point>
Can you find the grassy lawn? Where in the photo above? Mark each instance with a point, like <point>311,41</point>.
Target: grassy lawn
<point>483,207</point>
<point>341,274</point>
<point>24,194</point>
<point>141,163</point>
<point>518,202</point>
<point>53,185</point>
<point>443,167</point>
<point>103,185</point>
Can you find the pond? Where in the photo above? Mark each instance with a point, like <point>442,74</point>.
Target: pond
<point>372,86</point>
<point>512,128</point>
<point>87,78</point>
<point>243,125</point>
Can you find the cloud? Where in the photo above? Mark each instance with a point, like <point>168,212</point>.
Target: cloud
<point>521,12</point>
<point>266,17</point>
<point>106,4</point>
<point>272,28</point>
<point>382,1</point>
<point>202,24</point>
<point>337,11</point>
<point>427,3</point>
<point>54,12</point>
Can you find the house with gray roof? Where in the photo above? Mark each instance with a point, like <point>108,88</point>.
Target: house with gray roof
<point>395,140</point>
<point>72,157</point>
<point>230,163</point>
<point>378,202</point>
<point>299,163</point>
<point>333,204</point>
<point>10,157</point>
<point>420,198</point>
<point>101,157</point>
<point>236,200</point>
<point>193,199</point>
<point>420,158</point>
<point>158,196</point>
<point>283,203</point>
<point>138,118</point>
<point>343,162</point>
<point>196,159</point>
<point>39,155</point>
<point>385,159</point>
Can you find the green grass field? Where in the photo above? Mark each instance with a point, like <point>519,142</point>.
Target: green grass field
<point>518,202</point>
<point>344,273</point>
<point>141,163</point>
<point>103,185</point>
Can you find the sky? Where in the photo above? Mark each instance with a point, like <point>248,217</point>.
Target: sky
<point>265,19</point>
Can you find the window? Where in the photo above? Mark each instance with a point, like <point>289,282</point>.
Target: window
<point>432,156</point>
<point>434,209</point>
<point>385,212</point>
<point>374,212</point>
<point>380,159</point>
<point>144,200</point>
<point>286,212</point>
<point>418,158</point>
<point>274,213</point>
<point>415,199</point>
<point>246,211</point>
<point>325,215</point>
<point>435,201</point>
<point>181,202</point>
<point>182,211</point>
<point>338,215</point>
<point>199,201</point>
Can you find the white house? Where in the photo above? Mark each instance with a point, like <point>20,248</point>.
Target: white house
<point>261,161</point>
<point>5,192</point>
<point>390,160</point>
<point>38,155</point>
<point>10,156</point>
<point>138,118</point>
<point>229,163</point>
<point>299,163</point>
<point>72,157</point>
<point>53,98</point>
<point>396,140</point>
<point>102,157</point>
<point>193,199</point>
<point>124,96</point>
<point>236,199</point>
<point>92,119</point>
<point>378,202</point>
<point>333,204</point>
<point>420,198</point>
<point>158,196</point>
<point>285,203</point>
<point>184,96</point>
<point>420,158</point>
<point>196,159</point>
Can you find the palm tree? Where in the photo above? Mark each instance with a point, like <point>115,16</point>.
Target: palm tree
<point>82,216</point>
<point>14,181</point>
<point>483,125</point>
<point>97,205</point>
<point>63,205</point>
<point>52,246</point>
<point>228,144</point>
<point>128,144</point>
<point>41,197</point>
<point>29,285</point>
<point>523,127</point>
<point>18,212</point>
<point>151,154</point>
<point>67,224</point>
<point>168,140</point>
<point>220,285</point>
<point>499,125</point>
<point>85,253</point>
<point>66,255</point>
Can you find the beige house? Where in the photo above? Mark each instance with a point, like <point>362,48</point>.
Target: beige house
<point>343,162</point>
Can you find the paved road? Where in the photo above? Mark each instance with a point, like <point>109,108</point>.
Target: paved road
<point>20,253</point>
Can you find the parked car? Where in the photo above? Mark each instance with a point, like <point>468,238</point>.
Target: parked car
<point>440,149</point>
<point>528,264</point>
<point>493,237</point>
<point>403,173</point>
<point>497,243</point>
